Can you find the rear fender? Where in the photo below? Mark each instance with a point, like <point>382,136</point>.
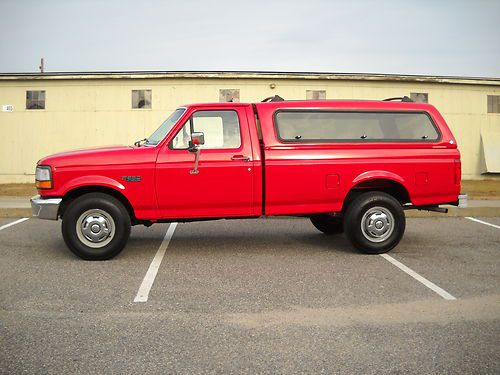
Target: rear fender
<point>378,175</point>
<point>378,180</point>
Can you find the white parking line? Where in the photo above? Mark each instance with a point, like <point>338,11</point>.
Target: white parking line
<point>149,279</point>
<point>482,222</point>
<point>443,293</point>
<point>14,223</point>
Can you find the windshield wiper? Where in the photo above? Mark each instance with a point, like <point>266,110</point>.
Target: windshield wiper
<point>138,143</point>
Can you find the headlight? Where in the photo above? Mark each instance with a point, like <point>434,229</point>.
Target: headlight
<point>43,177</point>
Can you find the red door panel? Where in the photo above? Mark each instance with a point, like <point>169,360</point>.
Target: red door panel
<point>223,186</point>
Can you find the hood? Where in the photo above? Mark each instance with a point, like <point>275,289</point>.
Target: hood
<point>108,155</point>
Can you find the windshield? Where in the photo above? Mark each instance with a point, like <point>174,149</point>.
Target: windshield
<point>164,128</point>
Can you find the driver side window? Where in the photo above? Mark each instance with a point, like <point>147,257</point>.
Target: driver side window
<point>221,130</point>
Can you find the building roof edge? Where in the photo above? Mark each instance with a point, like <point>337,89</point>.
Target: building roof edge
<point>249,75</point>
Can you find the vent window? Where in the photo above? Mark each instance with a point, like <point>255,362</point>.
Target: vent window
<point>315,94</point>
<point>419,97</point>
<point>35,99</point>
<point>229,95</point>
<point>141,99</point>
<point>493,103</point>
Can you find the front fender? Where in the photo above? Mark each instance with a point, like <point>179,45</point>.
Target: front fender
<point>91,180</point>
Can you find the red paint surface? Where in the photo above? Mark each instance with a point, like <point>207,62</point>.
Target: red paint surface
<point>296,178</point>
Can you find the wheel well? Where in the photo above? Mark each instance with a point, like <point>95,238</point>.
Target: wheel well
<point>78,192</point>
<point>390,187</point>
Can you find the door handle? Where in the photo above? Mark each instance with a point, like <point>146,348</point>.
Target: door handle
<point>240,158</point>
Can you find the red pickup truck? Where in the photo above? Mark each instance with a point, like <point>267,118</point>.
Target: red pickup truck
<point>350,166</point>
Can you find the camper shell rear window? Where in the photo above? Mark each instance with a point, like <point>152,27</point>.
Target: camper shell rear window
<point>313,125</point>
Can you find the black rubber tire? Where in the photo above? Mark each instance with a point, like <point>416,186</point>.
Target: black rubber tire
<point>327,224</point>
<point>112,207</point>
<point>354,215</point>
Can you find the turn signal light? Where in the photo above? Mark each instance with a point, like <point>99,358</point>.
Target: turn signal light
<point>43,177</point>
<point>43,184</point>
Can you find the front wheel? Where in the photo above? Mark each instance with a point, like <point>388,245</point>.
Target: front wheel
<point>96,226</point>
<point>374,222</point>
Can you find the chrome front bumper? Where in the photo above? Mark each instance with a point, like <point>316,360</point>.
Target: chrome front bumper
<point>45,208</point>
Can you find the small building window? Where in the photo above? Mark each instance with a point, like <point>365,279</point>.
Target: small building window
<point>419,97</point>
<point>229,95</point>
<point>315,94</point>
<point>35,99</point>
<point>141,99</point>
<point>493,103</point>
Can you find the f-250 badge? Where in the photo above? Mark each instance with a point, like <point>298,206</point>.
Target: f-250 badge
<point>131,178</point>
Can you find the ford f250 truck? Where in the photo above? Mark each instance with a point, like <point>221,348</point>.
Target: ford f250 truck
<point>350,166</point>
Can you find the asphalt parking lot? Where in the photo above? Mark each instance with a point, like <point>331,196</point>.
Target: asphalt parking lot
<point>252,296</point>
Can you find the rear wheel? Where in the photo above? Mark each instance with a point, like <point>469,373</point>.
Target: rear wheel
<point>96,226</point>
<point>374,222</point>
<point>327,224</point>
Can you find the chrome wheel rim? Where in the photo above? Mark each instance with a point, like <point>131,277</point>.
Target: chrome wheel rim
<point>377,224</point>
<point>95,228</point>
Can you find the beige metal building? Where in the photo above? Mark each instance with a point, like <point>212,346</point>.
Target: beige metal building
<point>51,112</point>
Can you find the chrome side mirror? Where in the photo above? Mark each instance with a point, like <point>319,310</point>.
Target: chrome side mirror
<point>197,139</point>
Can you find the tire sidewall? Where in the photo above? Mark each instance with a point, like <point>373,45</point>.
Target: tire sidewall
<point>354,215</point>
<point>112,207</point>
